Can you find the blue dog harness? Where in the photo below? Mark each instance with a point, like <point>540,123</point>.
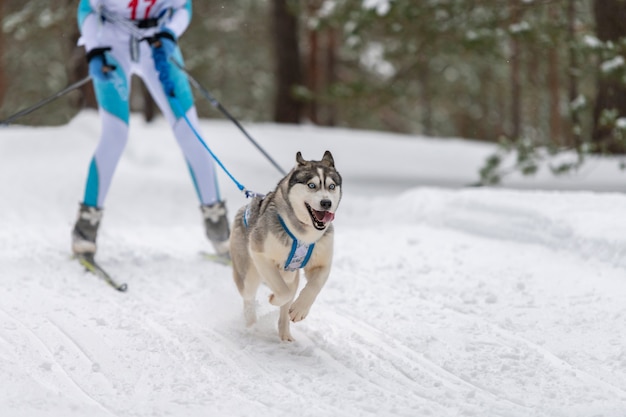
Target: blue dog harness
<point>300,251</point>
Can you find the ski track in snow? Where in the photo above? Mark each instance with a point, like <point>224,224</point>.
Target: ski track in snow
<point>441,302</point>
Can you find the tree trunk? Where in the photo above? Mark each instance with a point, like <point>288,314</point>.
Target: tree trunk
<point>313,65</point>
<point>516,95</point>
<point>77,70</point>
<point>554,84</point>
<point>610,16</point>
<point>573,71</point>
<point>313,73</point>
<point>287,107</point>
<point>556,134</point>
<point>423,77</point>
<point>330,118</point>
<point>535,97</point>
<point>3,83</point>
<point>77,67</point>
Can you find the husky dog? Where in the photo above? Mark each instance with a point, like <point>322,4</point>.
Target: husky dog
<point>289,229</point>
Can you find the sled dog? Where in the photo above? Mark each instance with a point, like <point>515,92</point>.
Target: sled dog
<point>289,229</point>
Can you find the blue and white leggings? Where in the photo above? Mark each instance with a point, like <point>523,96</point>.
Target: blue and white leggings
<point>113,96</point>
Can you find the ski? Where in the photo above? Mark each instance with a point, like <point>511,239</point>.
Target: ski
<point>222,260</point>
<point>90,264</point>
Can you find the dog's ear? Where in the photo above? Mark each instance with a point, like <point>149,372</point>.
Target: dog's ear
<point>299,159</point>
<point>328,159</point>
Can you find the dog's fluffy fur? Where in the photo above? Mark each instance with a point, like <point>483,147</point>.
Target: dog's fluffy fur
<point>306,200</point>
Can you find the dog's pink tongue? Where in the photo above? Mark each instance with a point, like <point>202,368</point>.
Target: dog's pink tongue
<point>328,217</point>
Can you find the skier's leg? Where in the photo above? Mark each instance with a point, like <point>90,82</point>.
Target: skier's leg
<point>201,164</point>
<point>114,112</point>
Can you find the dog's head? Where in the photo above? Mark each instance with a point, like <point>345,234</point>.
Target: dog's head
<point>315,190</point>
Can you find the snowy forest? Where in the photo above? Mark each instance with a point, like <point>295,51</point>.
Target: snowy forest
<point>445,299</point>
<point>524,73</point>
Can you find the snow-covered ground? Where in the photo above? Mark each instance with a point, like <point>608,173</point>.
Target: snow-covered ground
<point>443,300</point>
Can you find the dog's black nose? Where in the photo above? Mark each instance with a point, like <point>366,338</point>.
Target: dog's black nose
<point>326,204</point>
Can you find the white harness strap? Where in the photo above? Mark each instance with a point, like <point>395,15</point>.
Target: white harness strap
<point>300,252</point>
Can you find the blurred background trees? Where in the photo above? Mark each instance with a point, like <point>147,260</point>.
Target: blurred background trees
<point>546,74</point>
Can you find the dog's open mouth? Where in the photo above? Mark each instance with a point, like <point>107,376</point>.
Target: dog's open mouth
<point>320,218</point>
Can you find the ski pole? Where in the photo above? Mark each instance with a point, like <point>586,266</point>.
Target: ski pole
<point>225,112</point>
<point>45,101</point>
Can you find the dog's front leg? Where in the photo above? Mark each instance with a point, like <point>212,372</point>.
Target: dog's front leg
<point>283,318</point>
<point>284,286</point>
<point>283,324</point>
<point>283,290</point>
<point>316,277</point>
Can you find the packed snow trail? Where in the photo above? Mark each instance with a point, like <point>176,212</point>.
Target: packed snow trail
<point>441,302</point>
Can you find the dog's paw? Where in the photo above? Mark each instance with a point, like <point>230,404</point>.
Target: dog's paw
<point>286,336</point>
<point>298,311</point>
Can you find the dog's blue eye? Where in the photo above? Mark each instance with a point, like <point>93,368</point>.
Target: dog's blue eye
<point>311,185</point>
<point>331,187</point>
